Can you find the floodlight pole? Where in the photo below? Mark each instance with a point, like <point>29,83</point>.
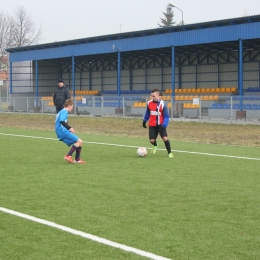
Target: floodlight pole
<point>173,5</point>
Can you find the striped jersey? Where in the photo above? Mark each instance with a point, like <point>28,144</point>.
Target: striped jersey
<point>156,113</point>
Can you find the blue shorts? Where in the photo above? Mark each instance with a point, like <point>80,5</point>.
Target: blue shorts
<point>69,139</point>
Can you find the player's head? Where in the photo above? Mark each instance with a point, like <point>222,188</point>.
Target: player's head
<point>155,94</point>
<point>68,104</point>
<point>60,83</point>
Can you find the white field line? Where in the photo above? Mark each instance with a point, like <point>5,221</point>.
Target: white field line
<point>129,146</point>
<point>85,235</point>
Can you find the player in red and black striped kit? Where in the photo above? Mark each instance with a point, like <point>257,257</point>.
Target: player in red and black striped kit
<point>158,116</point>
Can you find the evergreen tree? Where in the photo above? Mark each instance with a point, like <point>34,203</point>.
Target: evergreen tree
<point>168,20</point>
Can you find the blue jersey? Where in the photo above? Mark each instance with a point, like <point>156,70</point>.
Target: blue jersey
<point>60,130</point>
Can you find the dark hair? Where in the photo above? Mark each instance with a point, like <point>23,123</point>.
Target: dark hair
<point>155,90</point>
<point>68,102</point>
<point>60,81</point>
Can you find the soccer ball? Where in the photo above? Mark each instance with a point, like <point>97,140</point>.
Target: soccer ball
<point>141,151</point>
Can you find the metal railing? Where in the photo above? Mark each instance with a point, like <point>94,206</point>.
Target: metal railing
<point>210,108</point>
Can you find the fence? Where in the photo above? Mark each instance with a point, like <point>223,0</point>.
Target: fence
<point>211,108</point>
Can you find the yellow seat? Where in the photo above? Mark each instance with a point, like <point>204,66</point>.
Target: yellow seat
<point>233,89</point>
<point>228,89</point>
<point>222,89</point>
<point>135,104</point>
<point>169,105</point>
<point>215,97</point>
<point>198,90</point>
<point>177,97</point>
<point>180,90</point>
<point>212,90</point>
<point>176,91</point>
<point>184,105</point>
<point>208,90</point>
<point>188,105</point>
<point>186,97</point>
<point>193,90</point>
<point>211,97</point>
<point>167,91</point>
<point>202,90</point>
<point>190,97</point>
<point>181,97</point>
<point>217,90</point>
<point>189,90</point>
<point>184,90</point>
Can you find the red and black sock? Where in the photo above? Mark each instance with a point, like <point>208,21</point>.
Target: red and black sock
<point>73,148</point>
<point>78,151</point>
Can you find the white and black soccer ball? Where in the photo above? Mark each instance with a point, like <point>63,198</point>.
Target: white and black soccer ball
<point>141,151</point>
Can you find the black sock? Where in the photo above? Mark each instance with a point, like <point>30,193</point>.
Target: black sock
<point>73,148</point>
<point>155,143</point>
<point>78,151</point>
<point>168,146</point>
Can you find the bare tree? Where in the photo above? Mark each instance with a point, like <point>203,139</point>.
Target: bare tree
<point>16,31</point>
<point>6,38</point>
<point>168,20</point>
<point>25,32</point>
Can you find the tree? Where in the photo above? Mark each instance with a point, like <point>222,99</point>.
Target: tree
<point>5,38</point>
<point>25,32</point>
<point>16,31</point>
<point>168,20</point>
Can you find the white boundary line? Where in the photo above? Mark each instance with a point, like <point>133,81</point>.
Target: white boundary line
<point>85,235</point>
<point>129,146</point>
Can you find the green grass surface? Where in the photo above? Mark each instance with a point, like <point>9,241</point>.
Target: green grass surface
<point>193,206</point>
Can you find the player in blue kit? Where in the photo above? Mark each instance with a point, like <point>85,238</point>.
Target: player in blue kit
<point>65,133</point>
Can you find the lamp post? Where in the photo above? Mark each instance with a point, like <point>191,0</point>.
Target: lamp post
<point>173,5</point>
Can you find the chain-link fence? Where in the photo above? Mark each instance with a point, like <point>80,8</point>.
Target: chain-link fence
<point>210,108</point>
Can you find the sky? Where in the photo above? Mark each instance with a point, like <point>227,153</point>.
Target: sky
<point>62,20</point>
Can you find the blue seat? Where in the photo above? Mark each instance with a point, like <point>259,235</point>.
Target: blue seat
<point>219,106</point>
<point>225,106</point>
<point>254,106</point>
<point>247,106</point>
<point>258,106</point>
<point>214,106</point>
<point>236,106</point>
<point>249,89</point>
<point>255,89</point>
<point>254,97</point>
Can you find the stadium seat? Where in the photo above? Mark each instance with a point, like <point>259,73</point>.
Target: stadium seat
<point>217,89</point>
<point>214,106</point>
<point>254,106</point>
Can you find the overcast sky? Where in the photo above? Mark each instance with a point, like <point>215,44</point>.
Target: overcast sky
<point>62,20</point>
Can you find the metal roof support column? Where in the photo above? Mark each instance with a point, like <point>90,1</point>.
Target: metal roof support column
<point>73,74</point>
<point>118,76</point>
<point>173,71</point>
<point>36,78</point>
<point>11,77</point>
<point>36,82</point>
<point>240,73</point>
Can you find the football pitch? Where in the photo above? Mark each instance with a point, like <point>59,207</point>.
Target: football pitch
<point>202,204</point>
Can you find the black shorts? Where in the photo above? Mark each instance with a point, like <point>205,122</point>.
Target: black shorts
<point>155,130</point>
